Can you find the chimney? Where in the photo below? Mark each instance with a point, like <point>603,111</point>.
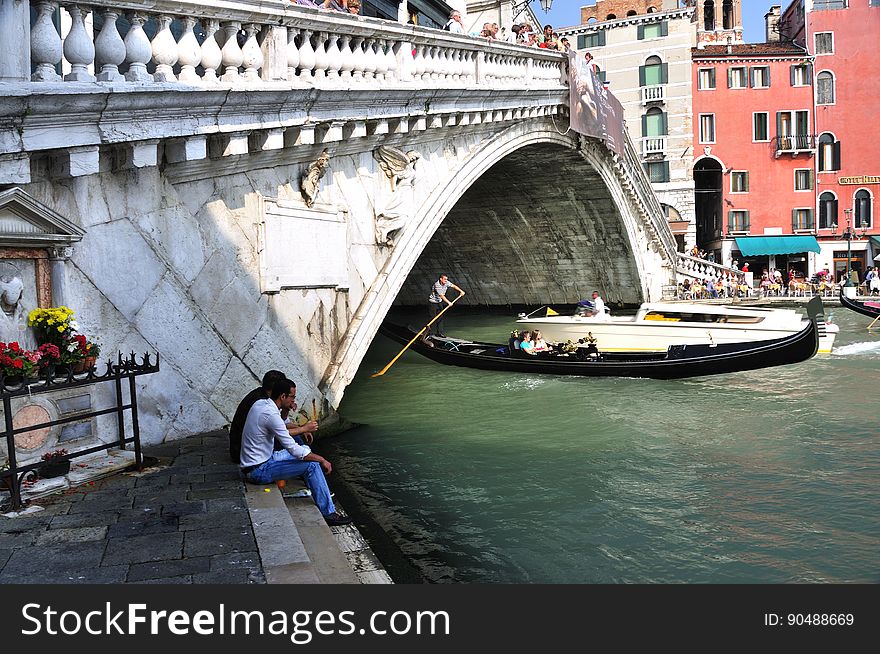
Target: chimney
<point>729,45</point>
<point>771,20</point>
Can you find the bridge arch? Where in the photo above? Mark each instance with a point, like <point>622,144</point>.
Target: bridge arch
<point>601,210</point>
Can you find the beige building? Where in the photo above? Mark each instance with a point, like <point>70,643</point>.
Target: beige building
<point>645,59</point>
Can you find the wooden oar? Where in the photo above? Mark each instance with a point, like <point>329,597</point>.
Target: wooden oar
<point>873,321</point>
<point>406,347</point>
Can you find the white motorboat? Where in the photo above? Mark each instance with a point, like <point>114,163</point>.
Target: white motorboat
<point>657,325</point>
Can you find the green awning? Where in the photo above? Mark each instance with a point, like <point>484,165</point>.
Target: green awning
<point>876,241</point>
<point>756,246</point>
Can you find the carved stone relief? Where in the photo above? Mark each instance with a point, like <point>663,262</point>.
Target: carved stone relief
<point>394,209</point>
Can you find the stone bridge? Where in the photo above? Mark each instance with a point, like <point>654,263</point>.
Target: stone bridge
<point>253,185</point>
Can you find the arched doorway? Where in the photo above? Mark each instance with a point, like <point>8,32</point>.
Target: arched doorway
<point>707,203</point>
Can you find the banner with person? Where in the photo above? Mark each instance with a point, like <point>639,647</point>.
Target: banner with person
<point>594,111</point>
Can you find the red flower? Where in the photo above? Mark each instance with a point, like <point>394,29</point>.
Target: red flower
<point>15,347</point>
<point>17,364</point>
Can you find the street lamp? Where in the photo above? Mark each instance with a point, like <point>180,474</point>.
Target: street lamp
<point>519,6</point>
<point>849,234</point>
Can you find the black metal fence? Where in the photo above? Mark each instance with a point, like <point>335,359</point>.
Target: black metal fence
<point>125,368</point>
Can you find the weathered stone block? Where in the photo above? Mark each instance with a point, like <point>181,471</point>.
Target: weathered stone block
<point>140,549</point>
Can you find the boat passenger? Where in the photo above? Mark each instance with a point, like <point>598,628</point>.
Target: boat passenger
<point>540,343</point>
<point>527,345</point>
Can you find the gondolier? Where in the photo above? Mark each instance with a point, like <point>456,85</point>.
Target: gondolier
<point>438,301</point>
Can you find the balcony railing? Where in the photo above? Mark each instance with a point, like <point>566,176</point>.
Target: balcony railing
<point>654,93</point>
<point>819,5</point>
<point>794,143</point>
<point>653,145</point>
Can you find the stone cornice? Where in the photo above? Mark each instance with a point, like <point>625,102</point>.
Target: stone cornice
<point>629,20</point>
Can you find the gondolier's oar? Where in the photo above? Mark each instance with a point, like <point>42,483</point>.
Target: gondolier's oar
<point>873,321</point>
<point>406,347</point>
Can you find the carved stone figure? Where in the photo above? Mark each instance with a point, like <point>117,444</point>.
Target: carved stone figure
<point>394,209</point>
<point>311,181</point>
<point>13,313</point>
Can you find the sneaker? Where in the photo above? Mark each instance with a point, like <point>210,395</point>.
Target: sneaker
<point>335,519</point>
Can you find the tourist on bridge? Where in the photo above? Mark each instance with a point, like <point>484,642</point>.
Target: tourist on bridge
<point>454,24</point>
<point>262,465</point>
<point>436,303</point>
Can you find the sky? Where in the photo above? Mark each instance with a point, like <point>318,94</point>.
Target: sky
<point>566,13</point>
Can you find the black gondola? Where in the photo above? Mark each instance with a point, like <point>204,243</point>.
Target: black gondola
<point>870,309</point>
<point>677,362</point>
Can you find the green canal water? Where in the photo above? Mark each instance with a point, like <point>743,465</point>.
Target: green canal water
<point>768,476</point>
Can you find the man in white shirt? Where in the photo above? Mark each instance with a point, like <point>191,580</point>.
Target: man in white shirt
<point>454,25</point>
<point>262,465</point>
<point>599,312</point>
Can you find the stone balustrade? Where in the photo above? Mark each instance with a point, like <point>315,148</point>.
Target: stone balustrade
<point>688,267</point>
<point>251,42</point>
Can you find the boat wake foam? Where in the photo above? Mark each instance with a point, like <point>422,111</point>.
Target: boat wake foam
<point>858,348</point>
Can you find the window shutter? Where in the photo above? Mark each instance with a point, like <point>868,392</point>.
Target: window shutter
<point>644,125</point>
<point>642,76</point>
<point>808,73</point>
<point>752,77</point>
<point>664,124</point>
<point>835,156</point>
<point>602,37</point>
<point>712,78</point>
<point>730,222</point>
<point>833,211</point>
<point>582,41</point>
<point>641,33</point>
<point>664,73</point>
<point>746,221</point>
<point>779,128</point>
<point>810,224</point>
<point>665,171</point>
<point>664,28</point>
<point>730,78</point>
<point>793,73</point>
<point>812,179</point>
<point>767,71</point>
<point>794,223</point>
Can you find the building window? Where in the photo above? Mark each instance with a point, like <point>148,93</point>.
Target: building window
<point>803,179</point>
<point>706,78</point>
<point>654,123</point>
<point>593,40</point>
<point>760,77</point>
<point>801,75</point>
<point>801,220</point>
<point>862,201</point>
<point>654,31</point>
<point>829,153</point>
<point>707,128</point>
<point>708,16</point>
<point>739,181</point>
<point>824,43</point>
<point>737,221</point>
<point>761,129</point>
<point>601,74</point>
<point>793,130</point>
<point>654,72</point>
<point>827,210</point>
<point>658,171</point>
<point>825,88</point>
<point>736,78</point>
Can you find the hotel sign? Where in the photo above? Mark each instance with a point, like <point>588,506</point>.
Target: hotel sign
<point>864,179</point>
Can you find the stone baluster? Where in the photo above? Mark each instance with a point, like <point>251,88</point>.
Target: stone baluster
<point>189,52</point>
<point>334,57</point>
<point>164,51</point>
<point>137,50</point>
<point>357,54</point>
<point>347,58</point>
<point>45,44</point>
<point>433,61</point>
<point>442,64</point>
<point>369,60</point>
<point>109,48</point>
<point>321,60</point>
<point>252,55</point>
<point>391,74</point>
<point>306,55</point>
<point>419,63</point>
<point>231,53</point>
<point>211,55</point>
<point>292,54</point>
<point>455,66</point>
<point>381,61</point>
<point>78,47</point>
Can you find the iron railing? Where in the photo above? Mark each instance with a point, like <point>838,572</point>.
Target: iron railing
<point>794,143</point>
<point>125,368</point>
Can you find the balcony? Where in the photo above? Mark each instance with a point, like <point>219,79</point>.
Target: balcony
<point>819,5</point>
<point>655,93</point>
<point>653,145</point>
<point>794,144</point>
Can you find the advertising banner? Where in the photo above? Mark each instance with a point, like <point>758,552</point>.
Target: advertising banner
<point>594,109</point>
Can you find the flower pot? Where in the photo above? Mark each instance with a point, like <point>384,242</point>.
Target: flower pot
<point>6,483</point>
<point>13,380</point>
<point>62,371</point>
<point>51,469</point>
<point>78,367</point>
<point>90,362</point>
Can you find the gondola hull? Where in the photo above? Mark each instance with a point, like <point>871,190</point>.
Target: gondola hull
<point>860,307</point>
<point>678,362</point>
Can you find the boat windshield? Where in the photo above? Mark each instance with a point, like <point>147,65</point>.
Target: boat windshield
<point>675,316</point>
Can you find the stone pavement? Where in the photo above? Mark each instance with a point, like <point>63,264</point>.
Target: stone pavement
<point>183,521</point>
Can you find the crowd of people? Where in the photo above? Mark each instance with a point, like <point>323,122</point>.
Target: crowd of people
<point>773,282</point>
<point>344,6</point>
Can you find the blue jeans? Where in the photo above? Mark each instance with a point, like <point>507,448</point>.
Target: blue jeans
<point>282,465</point>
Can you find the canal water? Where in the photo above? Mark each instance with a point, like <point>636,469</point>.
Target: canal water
<point>767,476</point>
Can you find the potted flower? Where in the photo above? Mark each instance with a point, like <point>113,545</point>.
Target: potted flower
<point>50,357</point>
<point>16,363</point>
<point>55,464</point>
<point>52,325</point>
<point>91,351</point>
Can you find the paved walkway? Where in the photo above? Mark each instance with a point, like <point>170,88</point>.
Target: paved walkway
<point>184,521</point>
